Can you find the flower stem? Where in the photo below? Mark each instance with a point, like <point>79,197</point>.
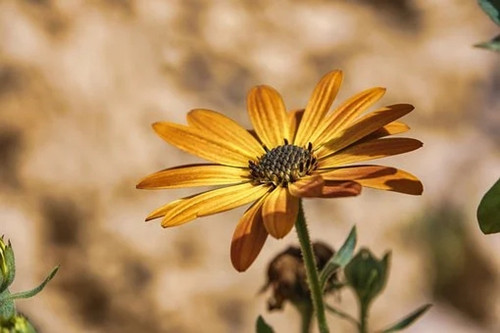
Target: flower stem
<point>363,315</point>
<point>311,270</point>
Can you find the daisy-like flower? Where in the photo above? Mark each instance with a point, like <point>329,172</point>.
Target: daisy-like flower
<point>289,155</point>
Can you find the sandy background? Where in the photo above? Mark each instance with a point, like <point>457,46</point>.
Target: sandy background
<point>81,82</point>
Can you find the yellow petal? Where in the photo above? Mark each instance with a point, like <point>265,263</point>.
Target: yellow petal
<point>207,203</point>
<point>248,238</point>
<point>194,175</point>
<point>379,177</point>
<point>370,150</point>
<point>396,127</point>
<point>320,102</point>
<point>363,127</point>
<point>345,114</point>
<point>294,119</point>
<point>203,144</point>
<point>225,128</point>
<point>268,115</point>
<point>280,212</point>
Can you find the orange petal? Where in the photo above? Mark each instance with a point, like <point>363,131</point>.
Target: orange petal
<point>268,115</point>
<point>320,102</point>
<point>211,202</point>
<point>370,150</point>
<point>379,177</point>
<point>345,113</point>
<point>294,119</point>
<point>203,144</point>
<point>194,175</point>
<point>307,187</point>
<point>396,127</point>
<point>225,128</point>
<point>280,212</point>
<point>248,238</point>
<point>335,189</point>
<point>363,127</point>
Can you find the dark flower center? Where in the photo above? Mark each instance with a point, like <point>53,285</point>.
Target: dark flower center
<point>283,165</point>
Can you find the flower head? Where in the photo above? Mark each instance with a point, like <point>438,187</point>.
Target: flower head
<point>290,155</point>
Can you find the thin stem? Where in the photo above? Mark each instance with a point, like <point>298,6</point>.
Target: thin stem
<point>311,270</point>
<point>363,315</point>
<point>306,312</point>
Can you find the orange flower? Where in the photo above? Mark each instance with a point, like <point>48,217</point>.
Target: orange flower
<point>291,155</point>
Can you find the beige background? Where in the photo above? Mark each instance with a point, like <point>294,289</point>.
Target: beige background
<point>81,82</point>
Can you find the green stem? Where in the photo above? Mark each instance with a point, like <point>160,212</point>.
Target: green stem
<point>363,315</point>
<point>311,270</point>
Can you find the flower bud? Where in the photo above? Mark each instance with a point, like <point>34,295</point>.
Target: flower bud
<point>16,324</point>
<point>7,265</point>
<point>367,275</point>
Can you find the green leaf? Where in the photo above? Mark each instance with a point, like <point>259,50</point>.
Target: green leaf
<point>34,291</point>
<point>262,326</point>
<point>408,320</point>
<point>340,258</point>
<point>488,212</point>
<point>492,8</point>
<point>493,45</point>
<point>367,275</point>
<point>341,314</point>
<point>7,307</point>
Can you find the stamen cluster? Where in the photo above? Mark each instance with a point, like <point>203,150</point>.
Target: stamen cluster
<point>283,165</point>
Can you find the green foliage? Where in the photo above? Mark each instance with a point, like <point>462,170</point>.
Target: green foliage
<point>340,258</point>
<point>16,324</point>
<point>488,212</point>
<point>367,275</point>
<point>7,308</point>
<point>7,265</point>
<point>408,320</point>
<point>493,45</point>
<point>261,326</point>
<point>492,8</point>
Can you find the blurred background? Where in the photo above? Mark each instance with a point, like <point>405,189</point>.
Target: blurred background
<point>81,82</point>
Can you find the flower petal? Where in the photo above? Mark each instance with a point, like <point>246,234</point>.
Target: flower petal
<point>226,129</point>
<point>345,113</point>
<point>268,115</point>
<point>280,212</point>
<point>320,102</point>
<point>203,144</point>
<point>194,175</point>
<point>363,127</point>
<point>248,238</point>
<point>294,119</point>
<point>370,150</point>
<point>379,177</point>
<point>396,127</point>
<point>211,202</point>
<point>316,186</point>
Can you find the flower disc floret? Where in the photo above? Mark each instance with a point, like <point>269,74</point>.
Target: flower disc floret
<point>283,165</point>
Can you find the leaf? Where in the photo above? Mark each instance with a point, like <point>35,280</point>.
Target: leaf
<point>408,320</point>
<point>340,258</point>
<point>34,291</point>
<point>7,307</point>
<point>341,314</point>
<point>488,212</point>
<point>262,326</point>
<point>493,45</point>
<point>492,8</point>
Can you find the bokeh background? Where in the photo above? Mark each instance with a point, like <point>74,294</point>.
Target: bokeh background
<point>81,82</point>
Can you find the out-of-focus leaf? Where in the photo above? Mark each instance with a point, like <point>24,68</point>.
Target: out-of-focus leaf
<point>7,307</point>
<point>34,291</point>
<point>262,326</point>
<point>340,258</point>
<point>488,212</point>
<point>408,320</point>
<point>341,314</point>
<point>492,8</point>
<point>493,44</point>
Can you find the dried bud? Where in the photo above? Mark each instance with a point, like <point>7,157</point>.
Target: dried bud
<point>286,276</point>
<point>7,265</point>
